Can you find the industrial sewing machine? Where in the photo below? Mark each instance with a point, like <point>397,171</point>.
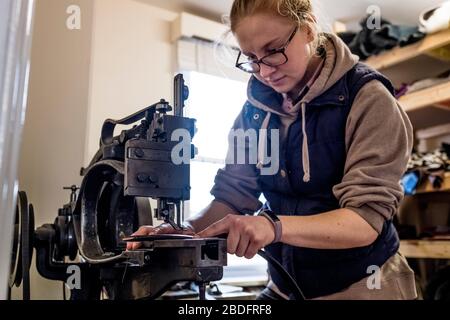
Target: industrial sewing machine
<point>148,160</point>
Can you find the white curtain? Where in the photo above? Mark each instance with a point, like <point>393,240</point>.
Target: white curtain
<point>210,58</point>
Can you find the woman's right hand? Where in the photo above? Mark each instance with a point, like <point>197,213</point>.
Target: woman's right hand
<point>164,228</point>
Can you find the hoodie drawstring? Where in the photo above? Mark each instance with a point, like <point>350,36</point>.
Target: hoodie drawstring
<point>305,151</point>
<point>262,143</point>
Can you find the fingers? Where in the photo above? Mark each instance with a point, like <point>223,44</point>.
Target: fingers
<point>164,228</point>
<point>142,231</point>
<point>243,245</point>
<point>217,228</point>
<point>148,230</point>
<point>188,232</point>
<point>133,245</point>
<point>232,241</point>
<point>252,250</point>
<point>243,239</point>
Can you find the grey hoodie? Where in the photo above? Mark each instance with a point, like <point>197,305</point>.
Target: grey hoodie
<point>373,169</point>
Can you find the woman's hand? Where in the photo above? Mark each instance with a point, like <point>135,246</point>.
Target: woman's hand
<point>246,234</point>
<point>164,228</point>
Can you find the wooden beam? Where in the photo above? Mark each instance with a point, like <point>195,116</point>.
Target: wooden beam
<point>445,105</point>
<point>426,97</point>
<point>425,249</point>
<point>434,132</point>
<point>398,55</point>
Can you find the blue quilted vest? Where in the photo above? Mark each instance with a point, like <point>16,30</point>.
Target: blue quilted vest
<point>318,272</point>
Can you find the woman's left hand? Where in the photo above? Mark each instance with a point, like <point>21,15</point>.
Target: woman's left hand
<point>246,234</point>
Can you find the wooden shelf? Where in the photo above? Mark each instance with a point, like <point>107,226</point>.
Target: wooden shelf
<point>425,249</point>
<point>427,97</point>
<point>398,55</point>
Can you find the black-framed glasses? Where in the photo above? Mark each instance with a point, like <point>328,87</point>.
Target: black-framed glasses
<point>275,58</point>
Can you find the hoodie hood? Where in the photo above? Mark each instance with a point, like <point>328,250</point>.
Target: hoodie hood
<point>338,61</point>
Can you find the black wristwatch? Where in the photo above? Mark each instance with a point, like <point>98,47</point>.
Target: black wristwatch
<point>272,217</point>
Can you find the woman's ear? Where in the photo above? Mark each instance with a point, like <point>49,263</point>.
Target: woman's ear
<point>311,23</point>
<point>310,34</point>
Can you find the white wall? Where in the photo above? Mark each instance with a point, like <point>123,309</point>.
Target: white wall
<point>120,61</point>
<point>132,62</point>
<point>55,127</point>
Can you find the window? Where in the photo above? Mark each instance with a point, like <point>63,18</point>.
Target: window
<point>215,102</point>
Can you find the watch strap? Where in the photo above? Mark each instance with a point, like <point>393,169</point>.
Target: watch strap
<point>276,223</point>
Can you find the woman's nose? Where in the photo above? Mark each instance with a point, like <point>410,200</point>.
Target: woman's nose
<point>265,71</point>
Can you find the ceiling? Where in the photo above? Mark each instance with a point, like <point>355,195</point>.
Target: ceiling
<point>398,12</point>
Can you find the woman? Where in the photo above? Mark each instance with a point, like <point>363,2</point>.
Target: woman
<point>344,143</point>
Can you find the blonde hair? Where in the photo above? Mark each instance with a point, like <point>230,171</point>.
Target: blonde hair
<point>298,11</point>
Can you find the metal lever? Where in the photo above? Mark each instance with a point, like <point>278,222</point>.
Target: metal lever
<point>73,194</point>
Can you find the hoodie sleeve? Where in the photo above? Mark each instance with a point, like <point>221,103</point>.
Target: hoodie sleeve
<point>379,142</point>
<point>236,185</point>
